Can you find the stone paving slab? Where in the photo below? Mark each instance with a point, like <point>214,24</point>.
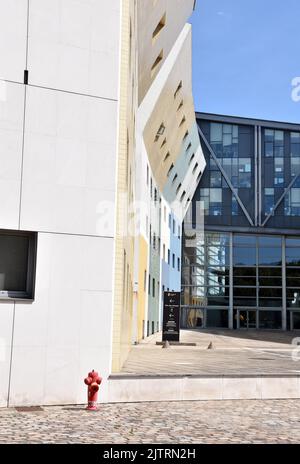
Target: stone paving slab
<point>233,353</point>
<point>273,421</point>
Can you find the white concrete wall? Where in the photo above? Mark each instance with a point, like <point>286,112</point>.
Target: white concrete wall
<point>58,142</point>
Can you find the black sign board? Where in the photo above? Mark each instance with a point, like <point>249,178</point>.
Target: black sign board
<point>171,319</point>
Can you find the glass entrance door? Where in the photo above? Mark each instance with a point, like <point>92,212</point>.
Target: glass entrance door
<point>246,319</point>
<point>295,320</point>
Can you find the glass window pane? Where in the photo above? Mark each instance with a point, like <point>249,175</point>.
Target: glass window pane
<point>295,166</point>
<point>279,151</point>
<point>216,195</point>
<point>244,271</point>
<point>269,151</point>
<point>279,136</point>
<point>217,318</point>
<point>293,242</point>
<point>244,302</point>
<point>215,132</point>
<point>269,241</point>
<point>270,292</point>
<point>227,129</point>
<point>227,140</point>
<point>293,256</point>
<point>218,301</point>
<point>270,282</point>
<point>13,263</point>
<point>244,240</point>
<point>213,166</point>
<point>218,256</point>
<point>295,137</point>
<point>278,163</point>
<point>269,191</point>
<point>244,281</point>
<point>235,131</point>
<point>270,319</point>
<point>269,135</point>
<point>234,207</point>
<point>293,282</point>
<point>245,180</point>
<point>217,291</point>
<point>295,150</point>
<point>244,291</point>
<point>244,165</point>
<point>270,271</point>
<point>295,197</point>
<point>215,179</point>
<point>217,239</point>
<point>270,256</point>
<point>244,256</point>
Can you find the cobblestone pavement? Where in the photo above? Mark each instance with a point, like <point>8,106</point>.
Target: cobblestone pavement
<point>275,421</point>
<point>234,352</point>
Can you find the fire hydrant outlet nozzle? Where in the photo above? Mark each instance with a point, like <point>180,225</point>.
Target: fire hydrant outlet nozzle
<point>93,381</point>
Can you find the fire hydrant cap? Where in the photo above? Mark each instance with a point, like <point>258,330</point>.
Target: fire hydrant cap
<point>88,380</point>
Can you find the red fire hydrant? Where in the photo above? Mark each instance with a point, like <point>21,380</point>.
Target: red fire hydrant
<point>92,381</point>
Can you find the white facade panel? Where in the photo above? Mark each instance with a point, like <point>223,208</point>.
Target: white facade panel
<point>6,326</point>
<point>71,316</point>
<point>69,163</point>
<point>11,135</point>
<point>13,34</point>
<point>74,45</point>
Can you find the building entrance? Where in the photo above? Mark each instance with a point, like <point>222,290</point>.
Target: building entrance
<point>246,319</point>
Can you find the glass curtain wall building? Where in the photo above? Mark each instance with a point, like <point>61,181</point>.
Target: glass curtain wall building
<point>243,270</point>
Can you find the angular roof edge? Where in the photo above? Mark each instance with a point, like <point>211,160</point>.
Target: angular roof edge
<point>248,121</point>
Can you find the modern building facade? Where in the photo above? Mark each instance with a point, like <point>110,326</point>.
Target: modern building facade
<point>100,157</point>
<point>244,270</point>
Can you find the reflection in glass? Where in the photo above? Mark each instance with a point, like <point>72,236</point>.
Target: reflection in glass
<point>269,241</point>
<point>191,318</point>
<point>270,256</point>
<point>244,240</point>
<point>293,256</point>
<point>244,256</point>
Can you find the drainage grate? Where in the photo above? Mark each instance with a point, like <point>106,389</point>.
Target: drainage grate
<point>29,408</point>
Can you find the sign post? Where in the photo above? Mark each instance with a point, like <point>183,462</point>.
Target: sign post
<point>171,317</point>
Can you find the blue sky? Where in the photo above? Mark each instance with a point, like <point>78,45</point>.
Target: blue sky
<point>245,55</point>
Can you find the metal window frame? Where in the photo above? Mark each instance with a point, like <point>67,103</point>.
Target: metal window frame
<point>282,197</point>
<point>233,190</point>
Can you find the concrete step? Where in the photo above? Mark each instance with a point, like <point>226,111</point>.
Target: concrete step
<point>124,388</point>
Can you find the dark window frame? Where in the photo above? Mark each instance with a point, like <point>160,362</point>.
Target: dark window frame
<point>31,267</point>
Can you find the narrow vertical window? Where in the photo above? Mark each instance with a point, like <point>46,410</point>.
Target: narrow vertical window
<point>159,27</point>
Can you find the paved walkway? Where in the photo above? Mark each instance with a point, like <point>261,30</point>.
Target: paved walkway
<point>234,352</point>
<point>157,423</point>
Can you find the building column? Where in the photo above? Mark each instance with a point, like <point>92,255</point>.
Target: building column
<point>230,314</point>
<point>284,312</point>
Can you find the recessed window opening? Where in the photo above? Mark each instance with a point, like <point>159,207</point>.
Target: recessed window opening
<point>182,121</point>
<point>174,178</point>
<point>156,63</point>
<point>171,169</point>
<point>179,87</point>
<point>178,188</point>
<point>166,157</point>
<point>159,27</point>
<point>17,264</point>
